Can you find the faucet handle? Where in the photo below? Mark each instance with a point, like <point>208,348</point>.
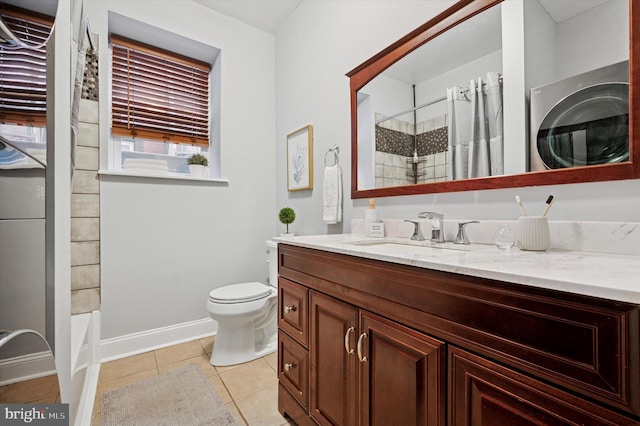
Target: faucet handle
<point>437,232</point>
<point>430,215</point>
<point>417,232</point>
<point>462,238</point>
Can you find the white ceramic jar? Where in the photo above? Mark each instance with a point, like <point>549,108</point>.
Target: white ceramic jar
<point>533,233</point>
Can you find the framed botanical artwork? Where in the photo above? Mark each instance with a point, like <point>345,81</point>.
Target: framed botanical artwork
<point>300,159</point>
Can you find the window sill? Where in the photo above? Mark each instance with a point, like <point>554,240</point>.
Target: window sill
<point>194,179</point>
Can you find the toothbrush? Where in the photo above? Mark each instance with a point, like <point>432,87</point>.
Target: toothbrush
<point>549,202</point>
<point>519,201</point>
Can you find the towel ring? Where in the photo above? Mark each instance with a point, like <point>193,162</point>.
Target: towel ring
<point>336,151</point>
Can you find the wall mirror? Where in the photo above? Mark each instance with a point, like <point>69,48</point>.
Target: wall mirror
<point>498,94</point>
<point>27,306</point>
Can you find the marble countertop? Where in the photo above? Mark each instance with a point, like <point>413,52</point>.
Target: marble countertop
<point>610,276</point>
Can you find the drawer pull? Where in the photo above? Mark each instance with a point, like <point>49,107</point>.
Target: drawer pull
<point>347,347</point>
<point>289,366</point>
<point>360,357</point>
<point>291,308</point>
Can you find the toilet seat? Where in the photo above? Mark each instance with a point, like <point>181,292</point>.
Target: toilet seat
<point>240,293</point>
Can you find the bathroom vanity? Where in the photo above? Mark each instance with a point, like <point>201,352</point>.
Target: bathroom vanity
<point>446,336</point>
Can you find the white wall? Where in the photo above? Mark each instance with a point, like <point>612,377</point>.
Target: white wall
<point>555,51</point>
<point>321,42</point>
<point>22,279</point>
<point>167,243</point>
<point>324,40</point>
<point>580,47</point>
<point>22,252</point>
<point>390,96</point>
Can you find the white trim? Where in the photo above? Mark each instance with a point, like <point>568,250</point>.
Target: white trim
<point>85,367</point>
<point>170,177</point>
<point>80,327</point>
<point>26,367</point>
<point>85,405</point>
<point>145,341</point>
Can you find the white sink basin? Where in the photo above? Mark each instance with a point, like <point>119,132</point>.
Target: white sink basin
<point>408,247</point>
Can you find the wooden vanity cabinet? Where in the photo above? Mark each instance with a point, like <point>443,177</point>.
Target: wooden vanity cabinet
<point>370,371</point>
<point>362,368</point>
<point>482,392</point>
<point>390,344</point>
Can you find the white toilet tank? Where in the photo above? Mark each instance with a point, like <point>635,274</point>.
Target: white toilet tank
<point>272,260</point>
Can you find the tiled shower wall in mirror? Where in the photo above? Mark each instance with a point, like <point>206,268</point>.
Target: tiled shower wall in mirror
<point>395,145</point>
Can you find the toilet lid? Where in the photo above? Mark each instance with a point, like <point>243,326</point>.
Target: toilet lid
<point>238,293</point>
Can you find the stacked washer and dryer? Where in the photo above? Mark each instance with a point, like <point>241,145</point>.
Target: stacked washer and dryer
<point>581,121</point>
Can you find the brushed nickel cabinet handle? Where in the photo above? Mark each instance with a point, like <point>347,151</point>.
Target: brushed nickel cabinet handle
<point>289,366</point>
<point>360,339</point>
<point>291,308</point>
<point>347,347</point>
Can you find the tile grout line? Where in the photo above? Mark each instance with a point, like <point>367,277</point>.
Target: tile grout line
<point>240,417</point>
<point>233,400</point>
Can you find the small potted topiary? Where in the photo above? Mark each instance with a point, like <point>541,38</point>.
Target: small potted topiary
<point>197,164</point>
<point>287,216</point>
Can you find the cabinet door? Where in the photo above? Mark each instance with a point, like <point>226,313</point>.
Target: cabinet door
<point>333,378</point>
<point>483,393</point>
<point>402,375</point>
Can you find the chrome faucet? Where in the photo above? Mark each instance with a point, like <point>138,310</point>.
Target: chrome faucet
<point>437,235</point>
<point>462,238</point>
<point>417,232</point>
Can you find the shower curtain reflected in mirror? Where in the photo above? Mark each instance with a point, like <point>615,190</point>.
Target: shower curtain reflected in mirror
<point>475,129</point>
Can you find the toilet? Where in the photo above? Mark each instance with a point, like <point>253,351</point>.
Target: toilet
<point>246,316</point>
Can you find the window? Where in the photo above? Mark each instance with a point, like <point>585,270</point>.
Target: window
<point>159,106</point>
<point>23,88</point>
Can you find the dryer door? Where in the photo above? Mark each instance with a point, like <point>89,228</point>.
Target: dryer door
<point>590,126</point>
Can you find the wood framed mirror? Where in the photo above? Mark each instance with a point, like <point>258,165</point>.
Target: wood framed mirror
<point>521,64</point>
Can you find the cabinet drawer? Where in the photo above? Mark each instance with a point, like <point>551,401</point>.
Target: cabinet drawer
<point>293,308</point>
<point>293,368</point>
<point>484,393</point>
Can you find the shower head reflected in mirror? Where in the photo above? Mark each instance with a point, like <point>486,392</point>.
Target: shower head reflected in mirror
<point>9,40</point>
<point>26,24</point>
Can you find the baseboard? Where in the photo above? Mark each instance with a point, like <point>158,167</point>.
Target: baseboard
<point>145,341</point>
<point>26,367</point>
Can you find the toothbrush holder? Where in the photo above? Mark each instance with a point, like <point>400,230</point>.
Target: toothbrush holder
<point>533,233</point>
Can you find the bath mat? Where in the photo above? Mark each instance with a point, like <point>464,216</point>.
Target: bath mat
<point>179,397</point>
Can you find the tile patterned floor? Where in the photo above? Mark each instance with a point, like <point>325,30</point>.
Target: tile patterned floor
<point>249,391</point>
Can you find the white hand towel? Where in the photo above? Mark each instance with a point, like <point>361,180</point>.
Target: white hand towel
<point>332,195</point>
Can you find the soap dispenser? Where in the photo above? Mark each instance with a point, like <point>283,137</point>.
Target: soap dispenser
<point>372,227</point>
<point>370,215</point>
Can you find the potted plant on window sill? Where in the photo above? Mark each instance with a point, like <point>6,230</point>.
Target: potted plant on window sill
<point>287,216</point>
<point>197,164</point>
